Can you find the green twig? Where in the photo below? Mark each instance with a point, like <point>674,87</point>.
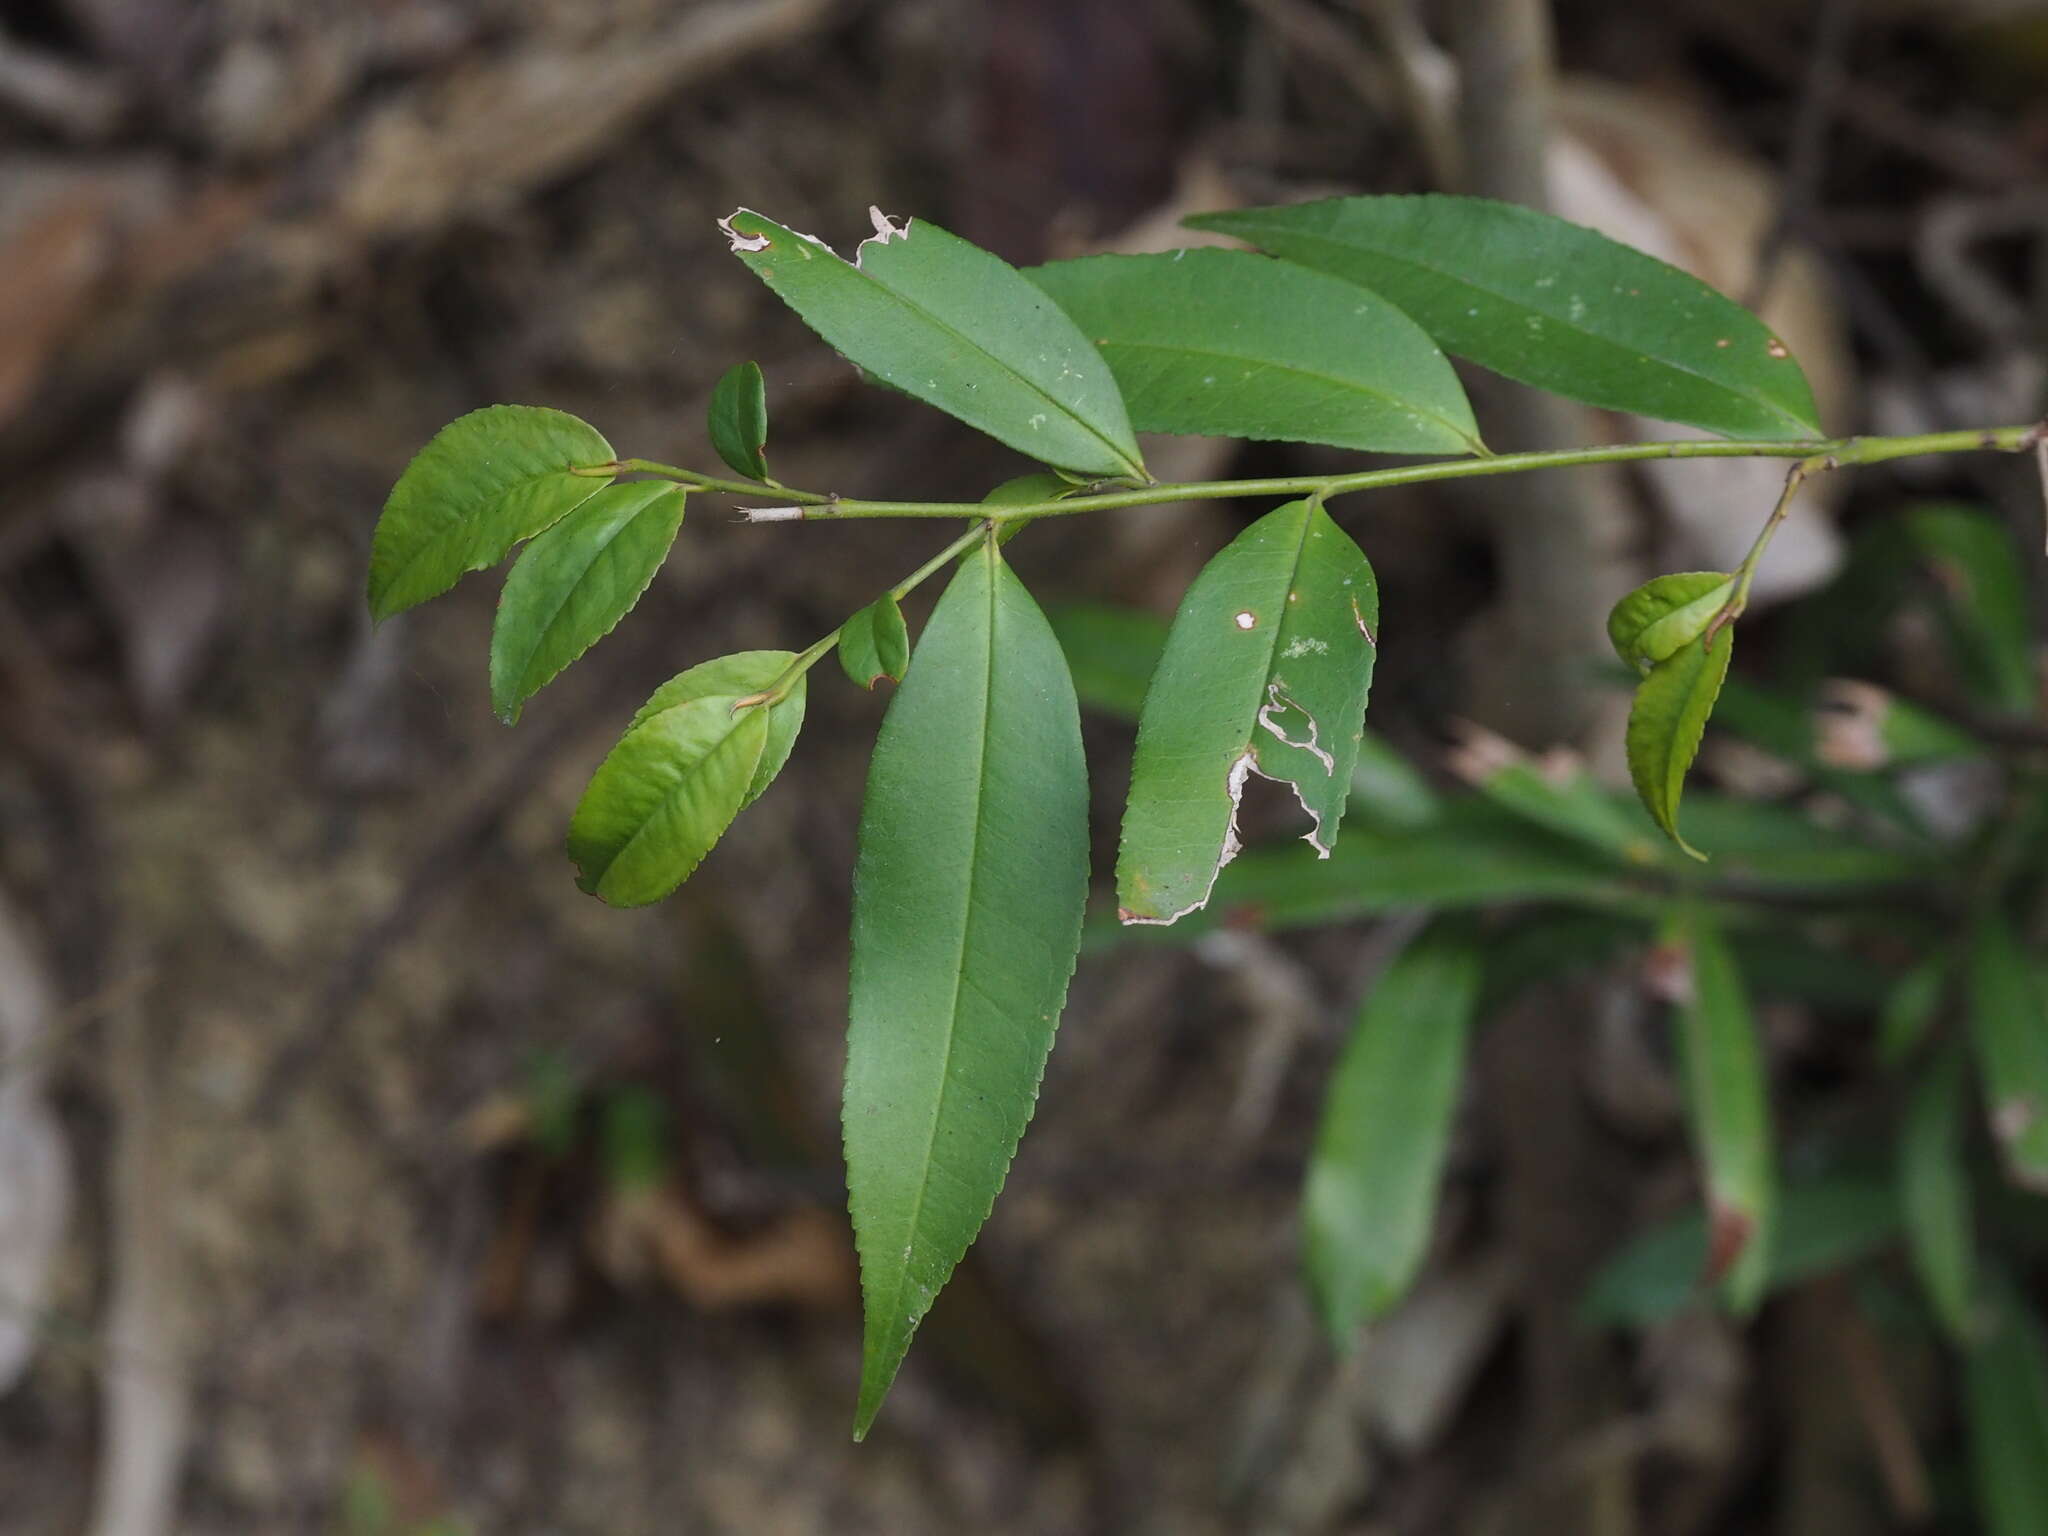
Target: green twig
<point>1839,453</point>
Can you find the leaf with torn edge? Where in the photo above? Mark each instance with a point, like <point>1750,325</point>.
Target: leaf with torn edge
<point>1667,720</point>
<point>949,323</point>
<point>1237,345</point>
<point>738,420</point>
<point>967,899</point>
<point>692,759</point>
<point>875,644</point>
<point>484,482</point>
<point>1371,1193</point>
<point>1550,303</point>
<point>1653,621</point>
<point>1728,1103</point>
<point>1266,671</point>
<point>2009,1025</point>
<point>570,587</point>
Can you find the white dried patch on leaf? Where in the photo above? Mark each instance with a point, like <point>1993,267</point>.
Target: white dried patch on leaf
<point>1277,702</point>
<point>886,228</point>
<point>739,241</point>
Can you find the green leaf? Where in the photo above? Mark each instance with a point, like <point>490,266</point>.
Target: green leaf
<point>1023,491</point>
<point>1235,345</point>
<point>635,1135</point>
<point>967,901</point>
<point>1266,670</point>
<point>485,481</point>
<point>1113,651</point>
<point>1551,304</point>
<point>570,587</point>
<point>1985,608</point>
<point>1666,722</point>
<point>2009,1022</point>
<point>1652,622</point>
<point>875,643</point>
<point>1559,795</point>
<point>944,321</point>
<point>1824,1224</point>
<point>738,420</point>
<point>741,675</point>
<point>699,751</point>
<point>1371,1192</point>
<point>1934,1195</point>
<point>1911,1007</point>
<point>2005,1381</point>
<point>1728,1103</point>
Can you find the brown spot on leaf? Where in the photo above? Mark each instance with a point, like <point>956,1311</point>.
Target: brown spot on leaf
<point>1777,348</point>
<point>1728,1234</point>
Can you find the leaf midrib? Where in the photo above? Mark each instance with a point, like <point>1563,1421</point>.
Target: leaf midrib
<point>546,629</point>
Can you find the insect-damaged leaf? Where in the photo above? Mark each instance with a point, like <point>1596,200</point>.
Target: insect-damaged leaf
<point>967,899</point>
<point>929,314</point>
<point>2009,1023</point>
<point>1370,1198</point>
<point>690,761</point>
<point>738,420</point>
<point>1266,670</point>
<point>874,643</point>
<point>570,587</point>
<point>1237,345</point>
<point>1653,621</point>
<point>1667,720</point>
<point>1550,303</point>
<point>1728,1102</point>
<point>484,482</point>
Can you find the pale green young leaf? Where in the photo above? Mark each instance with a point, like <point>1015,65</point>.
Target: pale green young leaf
<point>1664,613</point>
<point>1550,303</point>
<point>738,420</point>
<point>1236,345</point>
<point>1371,1192</point>
<point>484,482</point>
<point>2005,1381</point>
<point>570,587</point>
<point>1668,719</point>
<point>1728,1103</point>
<point>875,643</point>
<point>2009,1024</point>
<point>1934,1195</point>
<point>740,675</point>
<point>967,901</point>
<point>1266,671</point>
<point>664,796</point>
<point>950,324</point>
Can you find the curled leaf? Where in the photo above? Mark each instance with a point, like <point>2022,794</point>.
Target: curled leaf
<point>1667,721</point>
<point>874,643</point>
<point>738,420</point>
<point>1658,617</point>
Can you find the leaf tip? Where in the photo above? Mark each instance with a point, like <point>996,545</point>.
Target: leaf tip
<point>742,242</point>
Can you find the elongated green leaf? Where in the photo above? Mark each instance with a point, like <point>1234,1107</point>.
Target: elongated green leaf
<point>875,643</point>
<point>485,481</point>
<point>1729,1106</point>
<point>1266,671</point>
<point>570,587</point>
<point>1652,622</point>
<point>1934,1195</point>
<point>1666,722</point>
<point>1560,795</point>
<point>1985,608</point>
<point>2009,1022</point>
<point>1113,651</point>
<point>1371,1193</point>
<point>699,751</point>
<point>740,675</point>
<point>1825,1224</point>
<point>1550,303</point>
<point>967,901</point>
<point>738,420</point>
<point>1911,1007</point>
<point>1235,345</point>
<point>2006,1388</point>
<point>929,314</point>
